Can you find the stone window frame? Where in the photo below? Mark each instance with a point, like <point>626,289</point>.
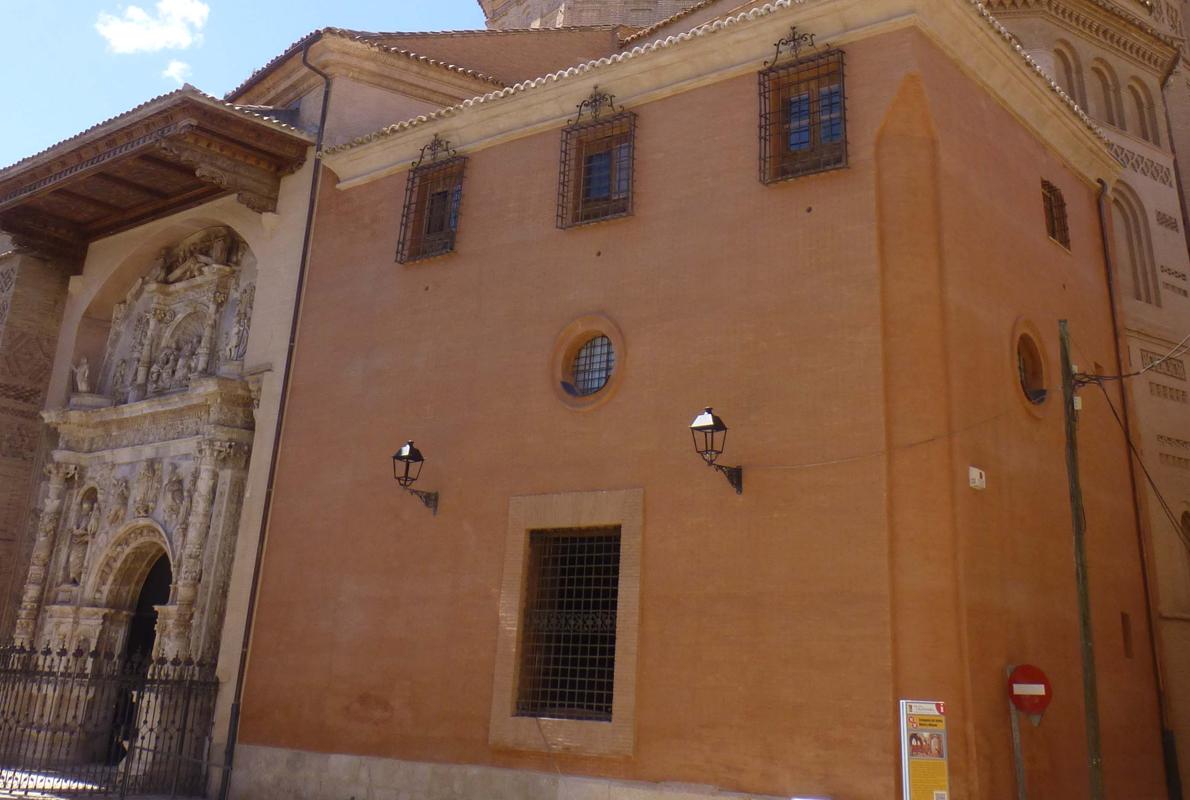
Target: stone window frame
<point>621,508</point>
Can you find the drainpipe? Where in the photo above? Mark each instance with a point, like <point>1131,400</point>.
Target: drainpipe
<point>1173,779</point>
<point>233,724</point>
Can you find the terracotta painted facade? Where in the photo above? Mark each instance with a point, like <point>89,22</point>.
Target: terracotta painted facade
<point>855,328</point>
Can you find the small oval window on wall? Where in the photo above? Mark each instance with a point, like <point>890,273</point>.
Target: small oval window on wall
<point>588,361</point>
<point>1030,369</point>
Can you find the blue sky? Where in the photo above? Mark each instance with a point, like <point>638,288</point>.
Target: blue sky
<point>82,61</point>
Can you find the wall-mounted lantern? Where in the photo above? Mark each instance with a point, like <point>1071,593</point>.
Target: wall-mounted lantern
<point>407,464</point>
<point>710,436</point>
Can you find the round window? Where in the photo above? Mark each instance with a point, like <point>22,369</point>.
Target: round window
<point>1030,369</point>
<point>593,365</point>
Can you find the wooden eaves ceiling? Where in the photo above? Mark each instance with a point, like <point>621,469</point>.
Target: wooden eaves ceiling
<point>171,153</point>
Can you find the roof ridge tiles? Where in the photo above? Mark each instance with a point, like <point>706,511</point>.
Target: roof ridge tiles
<point>703,29</point>
<point>364,38</point>
<point>186,90</point>
<point>501,31</point>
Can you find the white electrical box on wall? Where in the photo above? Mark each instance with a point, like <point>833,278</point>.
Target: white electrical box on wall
<point>977,478</point>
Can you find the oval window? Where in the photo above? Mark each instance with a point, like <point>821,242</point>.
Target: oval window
<point>592,366</point>
<point>1031,369</point>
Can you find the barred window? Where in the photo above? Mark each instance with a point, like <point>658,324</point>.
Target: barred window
<point>593,365</point>
<point>595,173</point>
<point>1055,214</point>
<point>569,628</point>
<point>803,127</point>
<point>431,215</point>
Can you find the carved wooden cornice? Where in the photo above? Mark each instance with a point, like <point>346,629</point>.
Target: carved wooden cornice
<point>1099,20</point>
<point>170,154</point>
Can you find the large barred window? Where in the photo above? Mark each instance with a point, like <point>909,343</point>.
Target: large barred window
<point>430,218</point>
<point>595,173</point>
<point>803,119</point>
<point>568,650</point>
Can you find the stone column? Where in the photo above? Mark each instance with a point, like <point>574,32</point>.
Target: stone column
<point>208,335</point>
<point>139,385</point>
<point>198,524</point>
<point>47,526</point>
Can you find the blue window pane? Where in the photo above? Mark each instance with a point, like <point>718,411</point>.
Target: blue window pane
<point>597,176</point>
<point>830,105</point>
<point>799,122</point>
<point>623,170</point>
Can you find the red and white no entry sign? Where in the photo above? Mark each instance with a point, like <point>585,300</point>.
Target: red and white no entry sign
<point>1030,690</point>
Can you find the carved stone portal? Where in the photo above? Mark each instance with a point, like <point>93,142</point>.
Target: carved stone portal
<point>158,468</point>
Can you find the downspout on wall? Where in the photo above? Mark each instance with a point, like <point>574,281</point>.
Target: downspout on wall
<point>299,292</point>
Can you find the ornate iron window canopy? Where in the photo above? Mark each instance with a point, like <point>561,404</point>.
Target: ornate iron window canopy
<point>793,45</point>
<point>594,106</point>
<point>437,149</point>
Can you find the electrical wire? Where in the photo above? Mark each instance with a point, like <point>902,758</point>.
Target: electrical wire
<point>1179,349</point>
<point>1182,533</point>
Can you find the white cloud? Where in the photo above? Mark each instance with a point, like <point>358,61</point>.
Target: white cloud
<point>178,70</point>
<point>174,25</point>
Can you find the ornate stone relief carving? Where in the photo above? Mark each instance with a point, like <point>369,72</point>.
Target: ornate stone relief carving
<point>174,324</point>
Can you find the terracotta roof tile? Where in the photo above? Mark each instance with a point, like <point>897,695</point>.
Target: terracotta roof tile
<point>365,39</point>
<point>509,55</point>
<point>704,29</point>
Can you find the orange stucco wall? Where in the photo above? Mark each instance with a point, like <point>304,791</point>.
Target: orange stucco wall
<point>855,330</point>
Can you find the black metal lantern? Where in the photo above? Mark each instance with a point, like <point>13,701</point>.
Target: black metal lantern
<point>710,437</point>
<point>407,464</point>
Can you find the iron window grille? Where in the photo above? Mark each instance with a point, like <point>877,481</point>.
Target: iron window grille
<point>568,642</point>
<point>593,365</point>
<point>803,113</point>
<point>433,193</point>
<point>1055,214</point>
<point>595,169</point>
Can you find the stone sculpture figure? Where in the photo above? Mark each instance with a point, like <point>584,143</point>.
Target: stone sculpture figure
<point>161,372</point>
<point>185,362</point>
<point>80,539</point>
<point>237,338</point>
<point>120,378</point>
<point>148,485</point>
<point>119,501</point>
<point>175,495</point>
<point>82,376</point>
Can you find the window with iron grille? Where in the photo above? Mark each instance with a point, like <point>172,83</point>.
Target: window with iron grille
<point>803,119</point>
<point>595,173</point>
<point>1055,214</point>
<point>431,215</point>
<point>593,365</point>
<point>568,640</point>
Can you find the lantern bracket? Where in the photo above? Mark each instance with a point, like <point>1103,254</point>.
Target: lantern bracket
<point>428,499</point>
<point>734,475</point>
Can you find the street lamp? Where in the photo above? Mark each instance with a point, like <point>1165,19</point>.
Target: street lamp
<point>407,464</point>
<point>710,437</point>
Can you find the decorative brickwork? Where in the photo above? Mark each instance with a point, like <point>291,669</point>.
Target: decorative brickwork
<point>32,294</point>
<point>1142,165</point>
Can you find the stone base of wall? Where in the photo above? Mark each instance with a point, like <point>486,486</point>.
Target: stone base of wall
<point>267,773</point>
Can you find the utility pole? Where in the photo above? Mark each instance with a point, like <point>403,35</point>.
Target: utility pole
<point>1090,688</point>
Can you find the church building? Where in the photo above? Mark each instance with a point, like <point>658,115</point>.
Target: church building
<point>371,388</point>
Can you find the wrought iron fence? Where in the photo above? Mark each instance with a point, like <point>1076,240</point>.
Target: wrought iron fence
<point>96,724</point>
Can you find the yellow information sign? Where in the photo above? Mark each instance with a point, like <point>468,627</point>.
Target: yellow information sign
<point>925,773</point>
